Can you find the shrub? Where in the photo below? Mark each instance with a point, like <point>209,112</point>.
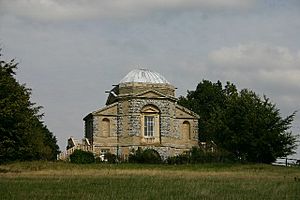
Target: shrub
<point>179,159</point>
<point>110,158</point>
<point>135,156</point>
<point>149,156</point>
<point>82,157</point>
<point>199,155</point>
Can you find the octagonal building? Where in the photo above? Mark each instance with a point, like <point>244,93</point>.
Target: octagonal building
<point>142,111</point>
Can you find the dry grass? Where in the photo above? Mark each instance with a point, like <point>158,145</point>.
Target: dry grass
<point>44,180</point>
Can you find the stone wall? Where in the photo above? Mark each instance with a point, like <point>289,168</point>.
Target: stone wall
<point>133,127</point>
<point>125,115</point>
<point>135,88</point>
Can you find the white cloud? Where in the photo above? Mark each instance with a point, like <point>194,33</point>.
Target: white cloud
<point>260,62</point>
<point>255,56</point>
<point>82,9</point>
<point>266,69</point>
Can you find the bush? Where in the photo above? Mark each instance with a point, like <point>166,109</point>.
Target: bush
<point>82,157</point>
<point>149,156</point>
<point>110,158</point>
<point>107,157</point>
<point>179,159</point>
<point>199,155</point>
<point>135,156</point>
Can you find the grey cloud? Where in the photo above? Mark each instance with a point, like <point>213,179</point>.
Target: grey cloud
<point>80,9</point>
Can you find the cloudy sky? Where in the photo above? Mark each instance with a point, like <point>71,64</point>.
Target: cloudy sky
<point>71,51</point>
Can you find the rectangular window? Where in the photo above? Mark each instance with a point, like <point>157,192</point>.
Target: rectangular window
<point>149,126</point>
<point>104,151</point>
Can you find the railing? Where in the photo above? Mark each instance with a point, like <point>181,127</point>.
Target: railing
<point>66,154</point>
<point>286,162</point>
<point>149,140</point>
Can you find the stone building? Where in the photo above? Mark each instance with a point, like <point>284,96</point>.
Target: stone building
<point>141,111</point>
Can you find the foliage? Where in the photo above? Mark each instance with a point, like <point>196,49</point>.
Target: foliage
<point>149,156</point>
<point>111,158</point>
<point>82,157</point>
<point>23,136</point>
<point>179,159</point>
<point>242,123</point>
<point>200,155</point>
<point>107,157</point>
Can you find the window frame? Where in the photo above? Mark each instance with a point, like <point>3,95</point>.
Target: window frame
<point>149,126</point>
<point>150,130</point>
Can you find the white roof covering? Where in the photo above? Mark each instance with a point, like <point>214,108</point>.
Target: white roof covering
<point>144,76</point>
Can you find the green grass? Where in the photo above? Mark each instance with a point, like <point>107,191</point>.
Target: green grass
<point>46,180</point>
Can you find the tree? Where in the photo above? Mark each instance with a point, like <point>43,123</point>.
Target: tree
<point>206,101</point>
<point>23,136</point>
<point>242,123</point>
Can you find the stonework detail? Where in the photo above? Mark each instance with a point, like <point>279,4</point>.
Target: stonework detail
<point>142,114</point>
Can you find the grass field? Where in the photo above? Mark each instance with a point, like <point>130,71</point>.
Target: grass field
<point>46,180</point>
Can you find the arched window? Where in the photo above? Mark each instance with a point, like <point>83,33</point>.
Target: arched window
<point>105,127</point>
<point>186,130</point>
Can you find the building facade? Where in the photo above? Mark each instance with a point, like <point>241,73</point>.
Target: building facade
<point>141,111</point>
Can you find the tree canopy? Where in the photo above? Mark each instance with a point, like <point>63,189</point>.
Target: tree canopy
<point>241,122</point>
<point>23,136</point>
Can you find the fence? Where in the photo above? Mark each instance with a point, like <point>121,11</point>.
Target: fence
<point>66,154</point>
<point>286,162</point>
